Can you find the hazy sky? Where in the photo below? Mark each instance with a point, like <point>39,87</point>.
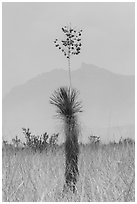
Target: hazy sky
<point>29,29</point>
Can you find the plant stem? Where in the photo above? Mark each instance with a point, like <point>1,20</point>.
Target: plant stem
<point>69,60</point>
<point>69,72</point>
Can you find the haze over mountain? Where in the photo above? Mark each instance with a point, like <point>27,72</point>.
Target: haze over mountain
<point>108,101</point>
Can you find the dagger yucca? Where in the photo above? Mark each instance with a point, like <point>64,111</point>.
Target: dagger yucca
<point>65,100</point>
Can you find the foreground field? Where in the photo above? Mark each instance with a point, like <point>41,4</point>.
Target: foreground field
<point>107,173</point>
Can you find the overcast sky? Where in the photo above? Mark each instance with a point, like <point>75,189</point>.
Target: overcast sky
<point>29,29</point>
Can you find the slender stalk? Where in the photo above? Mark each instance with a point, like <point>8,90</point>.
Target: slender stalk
<point>69,61</point>
<point>69,73</point>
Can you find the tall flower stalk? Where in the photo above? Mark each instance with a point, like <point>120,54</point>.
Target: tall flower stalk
<point>70,45</point>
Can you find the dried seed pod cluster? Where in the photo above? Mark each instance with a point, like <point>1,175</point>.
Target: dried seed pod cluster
<point>71,45</point>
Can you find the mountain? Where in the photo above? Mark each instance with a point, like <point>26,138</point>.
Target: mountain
<point>108,101</point>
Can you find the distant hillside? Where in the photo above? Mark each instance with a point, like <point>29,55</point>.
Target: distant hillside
<point>107,98</point>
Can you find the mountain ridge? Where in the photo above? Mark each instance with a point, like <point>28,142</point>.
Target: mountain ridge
<point>102,95</point>
<point>82,67</point>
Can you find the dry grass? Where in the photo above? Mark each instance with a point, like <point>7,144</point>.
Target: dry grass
<point>107,173</point>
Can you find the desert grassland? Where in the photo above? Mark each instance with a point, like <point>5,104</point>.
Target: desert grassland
<point>106,173</point>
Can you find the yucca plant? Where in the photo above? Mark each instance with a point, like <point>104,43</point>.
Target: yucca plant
<point>65,100</point>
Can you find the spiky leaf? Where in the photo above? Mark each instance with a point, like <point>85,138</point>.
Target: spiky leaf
<point>65,99</point>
